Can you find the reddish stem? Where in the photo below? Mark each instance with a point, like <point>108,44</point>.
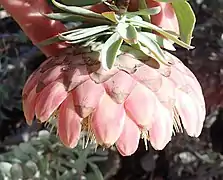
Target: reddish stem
<point>28,14</point>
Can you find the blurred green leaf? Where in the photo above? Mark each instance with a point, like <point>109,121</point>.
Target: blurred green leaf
<point>5,168</point>
<point>16,172</point>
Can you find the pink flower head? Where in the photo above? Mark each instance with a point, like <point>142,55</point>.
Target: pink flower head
<point>133,100</point>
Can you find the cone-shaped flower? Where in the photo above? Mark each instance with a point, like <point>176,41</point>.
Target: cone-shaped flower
<point>137,98</point>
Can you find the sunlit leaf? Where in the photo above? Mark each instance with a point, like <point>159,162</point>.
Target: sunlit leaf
<point>77,10</point>
<point>128,33</point>
<point>146,12</point>
<point>110,50</point>
<point>161,31</point>
<point>162,42</point>
<point>186,19</point>
<point>153,47</point>
<point>111,16</point>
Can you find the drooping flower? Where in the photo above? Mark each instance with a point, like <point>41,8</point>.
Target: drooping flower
<point>137,98</point>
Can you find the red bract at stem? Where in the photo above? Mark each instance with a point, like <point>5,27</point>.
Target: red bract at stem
<point>29,15</point>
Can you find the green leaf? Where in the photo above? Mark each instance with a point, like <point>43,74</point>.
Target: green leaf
<point>83,33</point>
<point>77,10</point>
<point>49,41</point>
<point>28,149</point>
<point>110,50</point>
<point>20,154</point>
<point>143,5</point>
<point>16,172</point>
<point>30,169</point>
<point>186,19</point>
<point>145,12</point>
<point>81,2</point>
<point>162,42</point>
<point>128,33</point>
<point>111,16</point>
<point>153,47</point>
<point>161,31</point>
<point>96,170</point>
<point>67,17</point>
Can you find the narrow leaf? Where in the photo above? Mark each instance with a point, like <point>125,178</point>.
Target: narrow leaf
<point>162,42</point>
<point>153,47</point>
<point>186,19</point>
<point>146,12</point>
<point>87,32</point>
<point>67,17</point>
<point>111,16</point>
<point>49,41</point>
<point>77,10</point>
<point>161,31</point>
<point>110,50</point>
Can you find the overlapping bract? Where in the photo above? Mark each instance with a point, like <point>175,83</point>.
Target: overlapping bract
<point>137,98</point>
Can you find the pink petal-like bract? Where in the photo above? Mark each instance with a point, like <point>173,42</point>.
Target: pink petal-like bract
<point>161,130</point>
<point>29,103</point>
<point>140,105</point>
<point>86,97</point>
<point>188,112</point>
<point>120,86</point>
<point>128,141</point>
<point>69,123</point>
<point>49,100</point>
<point>108,121</point>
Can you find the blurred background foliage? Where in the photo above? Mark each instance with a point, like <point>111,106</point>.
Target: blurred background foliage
<point>32,153</point>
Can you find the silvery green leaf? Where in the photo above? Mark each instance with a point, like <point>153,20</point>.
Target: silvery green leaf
<point>67,17</point>
<point>110,50</point>
<point>145,12</point>
<point>147,25</point>
<point>111,16</point>
<point>128,33</point>
<point>163,42</point>
<point>77,10</point>
<point>84,33</point>
<point>153,47</point>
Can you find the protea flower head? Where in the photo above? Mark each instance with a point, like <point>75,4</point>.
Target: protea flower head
<point>119,85</point>
<point>137,98</point>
